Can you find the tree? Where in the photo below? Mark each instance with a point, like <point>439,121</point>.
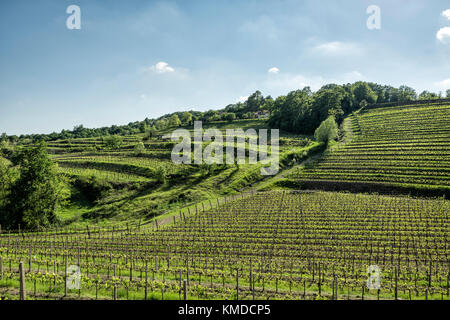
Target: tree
<point>229,116</point>
<point>406,93</point>
<point>255,101</point>
<point>150,133</point>
<point>186,118</point>
<point>143,127</point>
<point>113,142</point>
<point>38,191</point>
<point>247,115</point>
<point>4,137</point>
<point>362,91</point>
<point>327,131</point>
<point>268,104</point>
<point>6,179</point>
<point>174,121</point>
<point>293,112</point>
<point>160,124</point>
<point>161,174</point>
<point>139,148</point>
<point>448,93</point>
<point>426,95</point>
<point>326,100</point>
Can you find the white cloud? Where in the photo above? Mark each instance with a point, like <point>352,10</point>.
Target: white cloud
<point>443,35</point>
<point>338,48</point>
<point>446,14</point>
<point>242,99</point>
<point>443,85</point>
<point>162,67</point>
<point>273,70</point>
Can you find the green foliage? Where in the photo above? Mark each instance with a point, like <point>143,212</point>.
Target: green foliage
<point>229,116</point>
<point>37,193</point>
<point>174,121</point>
<point>143,127</point>
<point>139,148</point>
<point>6,149</point>
<point>293,112</point>
<point>6,179</point>
<point>161,174</point>
<point>161,124</point>
<point>406,93</point>
<point>186,118</point>
<point>113,142</point>
<point>255,101</point>
<point>362,91</point>
<point>327,131</point>
<point>150,133</point>
<point>92,187</point>
<point>426,95</point>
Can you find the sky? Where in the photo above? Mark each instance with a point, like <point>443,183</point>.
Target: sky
<point>136,59</point>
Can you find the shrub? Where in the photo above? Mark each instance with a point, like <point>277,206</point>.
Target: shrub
<point>139,148</point>
<point>327,131</point>
<point>113,142</point>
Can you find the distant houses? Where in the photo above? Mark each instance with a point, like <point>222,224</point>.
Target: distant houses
<point>261,115</point>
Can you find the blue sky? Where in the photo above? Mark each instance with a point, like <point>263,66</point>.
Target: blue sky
<point>137,59</point>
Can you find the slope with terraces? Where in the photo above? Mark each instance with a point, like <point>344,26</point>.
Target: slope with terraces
<point>402,149</point>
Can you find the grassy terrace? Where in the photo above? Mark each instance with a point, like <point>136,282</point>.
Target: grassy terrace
<point>398,146</point>
<point>148,183</point>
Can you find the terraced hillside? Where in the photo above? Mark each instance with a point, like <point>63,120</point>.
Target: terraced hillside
<point>397,148</point>
<point>140,184</point>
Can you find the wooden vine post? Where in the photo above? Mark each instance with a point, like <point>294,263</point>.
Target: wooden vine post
<point>22,294</point>
<point>65,277</point>
<point>115,285</point>
<point>237,284</point>
<point>185,295</point>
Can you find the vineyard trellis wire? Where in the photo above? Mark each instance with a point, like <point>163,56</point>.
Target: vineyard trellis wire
<point>290,245</point>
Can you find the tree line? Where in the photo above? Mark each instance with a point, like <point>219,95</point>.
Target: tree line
<point>300,111</point>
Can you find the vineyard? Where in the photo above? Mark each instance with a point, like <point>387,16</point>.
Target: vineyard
<point>403,147</point>
<point>166,231</point>
<point>265,245</point>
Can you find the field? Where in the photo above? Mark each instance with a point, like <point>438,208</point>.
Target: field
<point>166,231</point>
<point>275,245</point>
<point>145,184</point>
<point>405,148</point>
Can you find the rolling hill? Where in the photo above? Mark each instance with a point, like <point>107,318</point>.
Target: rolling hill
<point>394,149</point>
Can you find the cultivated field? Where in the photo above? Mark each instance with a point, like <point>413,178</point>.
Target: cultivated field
<point>272,245</point>
<point>405,147</point>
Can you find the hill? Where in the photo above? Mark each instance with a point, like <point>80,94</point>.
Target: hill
<point>394,149</point>
<point>118,183</point>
